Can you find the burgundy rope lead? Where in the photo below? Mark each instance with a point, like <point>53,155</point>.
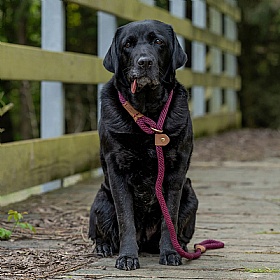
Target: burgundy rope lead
<point>150,127</point>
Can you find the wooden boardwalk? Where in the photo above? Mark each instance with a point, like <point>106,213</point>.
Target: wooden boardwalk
<point>240,205</point>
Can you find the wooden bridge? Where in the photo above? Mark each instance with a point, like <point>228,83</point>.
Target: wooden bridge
<point>239,201</point>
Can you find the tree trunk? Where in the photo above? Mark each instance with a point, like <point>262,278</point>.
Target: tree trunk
<point>28,121</point>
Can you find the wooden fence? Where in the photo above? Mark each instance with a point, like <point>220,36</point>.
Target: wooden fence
<point>213,82</point>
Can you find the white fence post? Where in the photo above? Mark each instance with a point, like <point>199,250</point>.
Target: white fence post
<point>178,9</point>
<point>231,60</point>
<point>148,2</point>
<point>106,28</point>
<point>216,59</point>
<point>198,57</point>
<point>52,93</point>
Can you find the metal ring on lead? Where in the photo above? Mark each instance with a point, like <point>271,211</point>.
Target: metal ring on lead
<point>156,130</point>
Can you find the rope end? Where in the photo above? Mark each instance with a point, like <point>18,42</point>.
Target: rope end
<point>208,244</point>
<point>199,247</point>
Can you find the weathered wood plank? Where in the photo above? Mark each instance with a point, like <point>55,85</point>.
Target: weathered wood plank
<point>213,123</point>
<point>133,10</point>
<point>189,78</point>
<point>30,63</point>
<point>44,160</point>
<point>226,8</point>
<point>28,163</point>
<point>25,63</point>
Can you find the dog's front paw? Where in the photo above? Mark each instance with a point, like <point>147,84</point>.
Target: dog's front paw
<point>127,263</point>
<point>103,250</point>
<point>170,258</point>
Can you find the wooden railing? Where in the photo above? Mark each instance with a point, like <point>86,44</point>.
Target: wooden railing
<point>214,102</point>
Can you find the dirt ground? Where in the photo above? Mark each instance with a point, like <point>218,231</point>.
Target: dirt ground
<point>62,216</point>
<point>239,145</point>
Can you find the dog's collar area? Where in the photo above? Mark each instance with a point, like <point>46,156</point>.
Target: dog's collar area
<point>147,124</point>
<point>132,112</point>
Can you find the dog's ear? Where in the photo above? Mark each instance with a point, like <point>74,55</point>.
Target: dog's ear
<point>110,56</point>
<point>179,57</point>
<point>111,60</point>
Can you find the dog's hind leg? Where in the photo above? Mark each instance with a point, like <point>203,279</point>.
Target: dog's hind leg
<point>103,225</point>
<point>187,214</point>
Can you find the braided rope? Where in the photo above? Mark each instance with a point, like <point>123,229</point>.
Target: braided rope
<point>200,247</point>
<point>146,124</point>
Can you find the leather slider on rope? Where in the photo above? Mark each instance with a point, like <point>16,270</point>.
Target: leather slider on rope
<point>161,139</point>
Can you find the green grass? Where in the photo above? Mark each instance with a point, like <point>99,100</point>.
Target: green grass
<point>262,270</point>
<point>264,252</point>
<point>269,232</point>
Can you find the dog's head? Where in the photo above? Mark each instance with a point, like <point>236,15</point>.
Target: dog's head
<point>145,54</point>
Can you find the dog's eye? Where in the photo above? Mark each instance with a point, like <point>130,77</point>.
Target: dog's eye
<point>127,45</point>
<point>158,42</point>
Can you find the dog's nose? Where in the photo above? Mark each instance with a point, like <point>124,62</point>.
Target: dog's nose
<point>145,62</point>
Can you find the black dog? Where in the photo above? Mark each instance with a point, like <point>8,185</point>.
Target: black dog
<point>125,216</point>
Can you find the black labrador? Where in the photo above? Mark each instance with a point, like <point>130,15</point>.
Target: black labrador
<point>125,216</point>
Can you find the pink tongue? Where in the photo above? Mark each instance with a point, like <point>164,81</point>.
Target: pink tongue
<point>133,86</point>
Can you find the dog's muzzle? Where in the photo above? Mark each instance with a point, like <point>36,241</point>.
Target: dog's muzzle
<point>145,72</point>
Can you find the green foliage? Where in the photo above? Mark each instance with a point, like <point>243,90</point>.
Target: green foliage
<point>81,31</point>
<point>164,4</point>
<point>259,63</point>
<point>5,234</point>
<point>15,217</point>
<point>20,23</point>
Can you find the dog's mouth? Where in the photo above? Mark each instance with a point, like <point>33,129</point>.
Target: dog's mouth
<point>138,83</point>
